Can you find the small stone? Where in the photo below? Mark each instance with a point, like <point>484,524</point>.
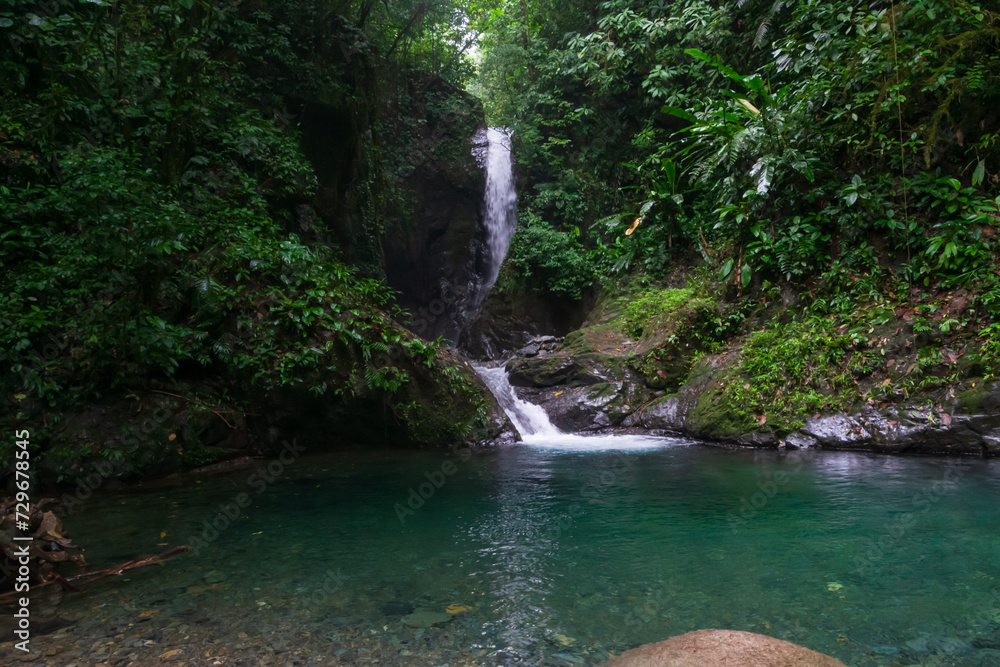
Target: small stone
<point>214,577</point>
<point>574,659</point>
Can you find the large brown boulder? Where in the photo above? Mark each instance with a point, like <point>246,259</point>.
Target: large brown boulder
<point>722,648</point>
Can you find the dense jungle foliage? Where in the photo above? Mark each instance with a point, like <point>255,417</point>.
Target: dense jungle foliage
<point>778,140</point>
<point>194,192</point>
<point>198,189</point>
<point>825,174</point>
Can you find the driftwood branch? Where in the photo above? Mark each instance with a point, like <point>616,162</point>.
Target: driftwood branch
<point>68,583</point>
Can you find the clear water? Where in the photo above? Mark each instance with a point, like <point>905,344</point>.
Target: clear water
<point>562,555</point>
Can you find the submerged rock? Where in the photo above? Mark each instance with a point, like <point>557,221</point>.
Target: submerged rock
<point>425,618</point>
<point>723,648</point>
<point>396,608</point>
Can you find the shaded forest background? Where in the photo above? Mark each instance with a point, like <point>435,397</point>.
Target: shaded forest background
<point>195,195</point>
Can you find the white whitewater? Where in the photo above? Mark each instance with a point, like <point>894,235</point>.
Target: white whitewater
<point>532,422</point>
<point>492,149</point>
<point>529,419</point>
<point>500,221</point>
<point>501,202</point>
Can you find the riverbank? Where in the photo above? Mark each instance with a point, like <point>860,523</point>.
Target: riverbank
<point>914,376</point>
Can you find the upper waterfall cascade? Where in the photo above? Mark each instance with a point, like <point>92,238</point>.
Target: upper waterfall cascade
<point>501,202</point>
<point>493,151</point>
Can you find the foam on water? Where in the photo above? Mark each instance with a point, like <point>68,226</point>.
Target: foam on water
<point>596,443</point>
<point>536,430</point>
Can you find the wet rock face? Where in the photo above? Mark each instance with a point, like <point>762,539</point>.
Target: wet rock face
<point>591,391</point>
<point>912,430</point>
<point>723,648</point>
<point>507,323</point>
<point>668,413</point>
<point>582,392</point>
<point>433,256</point>
<point>552,371</point>
<point>539,345</point>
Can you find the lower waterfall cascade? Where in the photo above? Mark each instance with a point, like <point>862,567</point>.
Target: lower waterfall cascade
<point>535,427</point>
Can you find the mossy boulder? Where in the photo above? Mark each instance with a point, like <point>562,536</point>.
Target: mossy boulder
<point>585,392</point>
<point>982,398</point>
<point>563,370</point>
<point>548,372</point>
<point>439,404</point>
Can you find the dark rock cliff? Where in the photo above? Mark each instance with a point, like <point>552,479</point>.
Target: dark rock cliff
<point>433,252</point>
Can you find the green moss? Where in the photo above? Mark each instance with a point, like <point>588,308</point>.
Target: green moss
<point>585,340</point>
<point>715,415</point>
<point>452,409</point>
<point>787,373</point>
<point>641,310</point>
<point>969,400</point>
<point>602,390</point>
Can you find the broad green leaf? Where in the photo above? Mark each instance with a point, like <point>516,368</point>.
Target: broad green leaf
<point>680,113</point>
<point>727,269</point>
<point>980,173</point>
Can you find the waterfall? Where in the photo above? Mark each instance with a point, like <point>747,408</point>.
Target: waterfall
<point>529,419</point>
<point>500,204</point>
<point>493,152</point>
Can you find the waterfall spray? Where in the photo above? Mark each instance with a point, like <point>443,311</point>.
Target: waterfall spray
<point>501,203</point>
<point>493,151</point>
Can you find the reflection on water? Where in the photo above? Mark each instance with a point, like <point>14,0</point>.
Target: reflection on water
<point>559,552</point>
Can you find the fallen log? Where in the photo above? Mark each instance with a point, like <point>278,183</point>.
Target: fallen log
<point>69,583</point>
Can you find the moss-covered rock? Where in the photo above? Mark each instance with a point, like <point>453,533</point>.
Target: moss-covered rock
<point>585,392</point>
